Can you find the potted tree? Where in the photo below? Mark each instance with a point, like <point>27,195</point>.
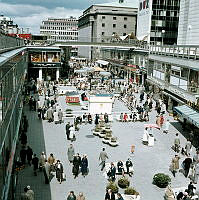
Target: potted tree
<point>131,192</point>
<point>113,142</point>
<point>107,138</point>
<point>69,112</point>
<point>123,182</point>
<point>114,188</point>
<point>161,180</point>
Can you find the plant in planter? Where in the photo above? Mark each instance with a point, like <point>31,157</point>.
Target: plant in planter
<point>123,182</point>
<point>69,111</point>
<point>161,180</point>
<point>131,191</point>
<point>114,188</point>
<point>113,139</point>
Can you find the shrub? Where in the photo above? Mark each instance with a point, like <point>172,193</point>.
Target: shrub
<point>123,182</point>
<point>113,139</point>
<point>114,188</point>
<point>161,180</point>
<point>131,191</point>
<point>69,110</point>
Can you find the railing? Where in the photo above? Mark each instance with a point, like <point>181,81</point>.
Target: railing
<point>187,52</point>
<point>7,42</point>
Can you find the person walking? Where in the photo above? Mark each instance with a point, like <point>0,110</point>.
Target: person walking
<point>112,172</point>
<point>59,171</point>
<point>46,171</point>
<point>76,165</point>
<point>30,193</point>
<point>186,164</point>
<point>128,165</point>
<point>109,195</point>
<point>81,196</point>
<point>84,165</point>
<point>42,161</point>
<point>188,146</point>
<point>103,156</point>
<point>71,196</point>
<point>60,116</point>
<point>51,161</point>
<point>177,143</point>
<point>35,162</point>
<point>166,128</point>
<point>29,154</point>
<point>106,118</point>
<point>24,195</point>
<point>72,133</point>
<point>68,130</point>
<point>23,155</point>
<point>96,119</point>
<point>71,153</point>
<point>174,165</point>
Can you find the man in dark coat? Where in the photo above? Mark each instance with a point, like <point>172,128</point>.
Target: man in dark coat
<point>35,162</point>
<point>112,172</point>
<point>106,118</point>
<point>109,195</point>
<point>68,130</point>
<point>29,153</point>
<point>23,155</point>
<point>76,164</point>
<point>96,119</point>
<point>187,163</point>
<point>84,165</point>
<point>59,171</point>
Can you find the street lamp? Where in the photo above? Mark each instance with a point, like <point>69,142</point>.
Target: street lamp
<point>163,32</point>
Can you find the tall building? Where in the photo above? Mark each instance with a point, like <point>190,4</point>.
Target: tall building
<point>60,29</point>
<point>158,21</point>
<point>8,25</point>
<point>188,29</point>
<point>100,21</point>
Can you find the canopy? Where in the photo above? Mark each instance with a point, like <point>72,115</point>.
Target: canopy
<point>102,62</point>
<point>188,113</point>
<point>105,73</point>
<point>80,71</point>
<point>98,69</point>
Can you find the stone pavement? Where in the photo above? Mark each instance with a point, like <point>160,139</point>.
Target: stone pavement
<point>51,138</point>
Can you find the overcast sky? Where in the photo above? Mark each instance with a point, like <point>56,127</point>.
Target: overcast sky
<point>30,13</point>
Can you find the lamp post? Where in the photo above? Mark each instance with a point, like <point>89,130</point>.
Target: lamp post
<point>163,32</point>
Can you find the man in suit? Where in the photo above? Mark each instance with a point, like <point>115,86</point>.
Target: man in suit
<point>109,195</point>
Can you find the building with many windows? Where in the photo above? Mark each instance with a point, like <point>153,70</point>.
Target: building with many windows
<point>61,30</point>
<point>188,29</point>
<point>101,21</point>
<point>158,21</point>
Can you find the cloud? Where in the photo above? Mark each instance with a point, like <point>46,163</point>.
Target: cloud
<point>30,16</point>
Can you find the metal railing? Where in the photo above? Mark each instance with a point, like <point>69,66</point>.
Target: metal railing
<point>7,42</point>
<point>187,52</point>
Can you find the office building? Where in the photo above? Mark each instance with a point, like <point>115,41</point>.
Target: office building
<point>158,21</point>
<point>188,29</point>
<point>101,21</point>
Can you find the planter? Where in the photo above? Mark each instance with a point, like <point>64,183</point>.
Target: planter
<point>96,133</point>
<point>123,183</point>
<point>113,187</point>
<point>130,197</point>
<point>161,180</point>
<point>105,141</point>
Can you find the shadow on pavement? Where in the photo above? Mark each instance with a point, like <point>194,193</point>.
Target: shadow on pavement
<point>26,176</point>
<point>186,133</point>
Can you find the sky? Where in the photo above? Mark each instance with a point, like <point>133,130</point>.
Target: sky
<point>30,13</point>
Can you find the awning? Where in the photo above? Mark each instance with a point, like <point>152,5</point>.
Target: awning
<point>188,113</point>
<point>102,62</point>
<point>98,69</point>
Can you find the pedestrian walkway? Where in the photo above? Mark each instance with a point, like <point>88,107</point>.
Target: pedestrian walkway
<point>51,138</point>
<point>37,143</point>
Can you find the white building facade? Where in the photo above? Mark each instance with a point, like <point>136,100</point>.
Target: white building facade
<point>188,29</point>
<point>60,29</point>
<point>101,21</point>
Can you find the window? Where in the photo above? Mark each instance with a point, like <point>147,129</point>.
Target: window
<point>125,25</point>
<point>103,24</point>
<point>113,33</point>
<point>124,34</point>
<point>103,17</point>
<point>103,33</point>
<point>114,18</point>
<point>125,18</point>
<point>114,25</point>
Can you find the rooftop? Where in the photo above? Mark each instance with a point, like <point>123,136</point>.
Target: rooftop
<point>126,3</point>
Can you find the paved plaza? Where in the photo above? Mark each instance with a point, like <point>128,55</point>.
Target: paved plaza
<point>51,138</point>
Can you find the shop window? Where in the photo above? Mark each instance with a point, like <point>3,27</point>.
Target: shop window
<point>114,18</point>
<point>103,17</point>
<point>103,24</point>
<point>125,18</point>
<point>114,25</point>
<point>125,26</point>
<point>184,72</point>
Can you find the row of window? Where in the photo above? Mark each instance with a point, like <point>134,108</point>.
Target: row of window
<point>63,38</point>
<point>59,33</point>
<point>60,24</point>
<point>103,33</point>
<point>114,25</point>
<point>59,28</point>
<point>114,18</point>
